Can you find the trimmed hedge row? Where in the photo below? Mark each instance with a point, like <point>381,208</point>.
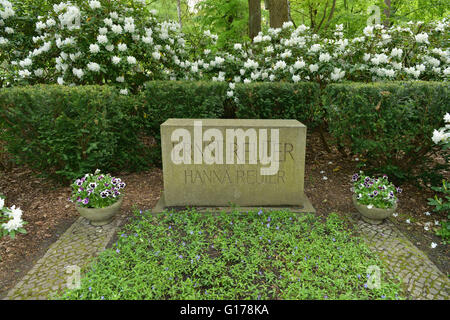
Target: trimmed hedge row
<point>390,124</point>
<point>65,132</point>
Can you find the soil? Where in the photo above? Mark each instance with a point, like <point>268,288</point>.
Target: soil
<point>49,213</point>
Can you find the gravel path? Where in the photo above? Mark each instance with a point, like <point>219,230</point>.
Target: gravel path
<point>53,271</point>
<point>421,279</point>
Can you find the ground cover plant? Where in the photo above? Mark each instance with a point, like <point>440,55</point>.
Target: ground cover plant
<point>254,255</point>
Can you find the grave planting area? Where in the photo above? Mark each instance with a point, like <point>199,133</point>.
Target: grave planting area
<point>250,255</point>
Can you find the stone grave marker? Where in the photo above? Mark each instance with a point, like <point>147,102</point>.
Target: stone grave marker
<point>215,163</point>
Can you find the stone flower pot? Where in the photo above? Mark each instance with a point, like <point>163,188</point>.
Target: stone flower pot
<point>100,216</point>
<point>373,215</point>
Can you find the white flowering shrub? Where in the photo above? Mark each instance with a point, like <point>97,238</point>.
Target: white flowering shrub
<point>10,220</point>
<point>287,54</point>
<point>442,135</point>
<point>6,11</point>
<point>120,42</point>
<point>102,42</point>
<point>6,31</point>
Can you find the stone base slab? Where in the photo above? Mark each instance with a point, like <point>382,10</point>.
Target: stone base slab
<point>306,208</point>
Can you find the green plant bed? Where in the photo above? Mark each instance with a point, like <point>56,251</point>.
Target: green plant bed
<point>257,255</point>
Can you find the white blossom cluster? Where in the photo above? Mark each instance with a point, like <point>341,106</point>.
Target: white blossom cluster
<point>443,134</point>
<point>125,44</point>
<point>288,54</point>
<point>13,217</point>
<point>6,11</point>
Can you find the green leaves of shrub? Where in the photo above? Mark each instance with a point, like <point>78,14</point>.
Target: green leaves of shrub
<point>390,124</point>
<point>65,132</point>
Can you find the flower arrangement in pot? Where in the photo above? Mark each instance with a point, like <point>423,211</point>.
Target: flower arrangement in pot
<point>374,198</point>
<point>98,197</point>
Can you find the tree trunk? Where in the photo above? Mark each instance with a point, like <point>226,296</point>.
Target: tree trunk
<point>254,18</point>
<point>179,12</point>
<point>278,13</point>
<point>387,13</point>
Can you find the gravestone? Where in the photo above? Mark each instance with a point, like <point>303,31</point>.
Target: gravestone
<point>215,163</point>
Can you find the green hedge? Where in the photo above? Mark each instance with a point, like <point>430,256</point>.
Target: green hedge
<point>161,100</point>
<point>66,132</point>
<point>279,100</point>
<point>390,124</point>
